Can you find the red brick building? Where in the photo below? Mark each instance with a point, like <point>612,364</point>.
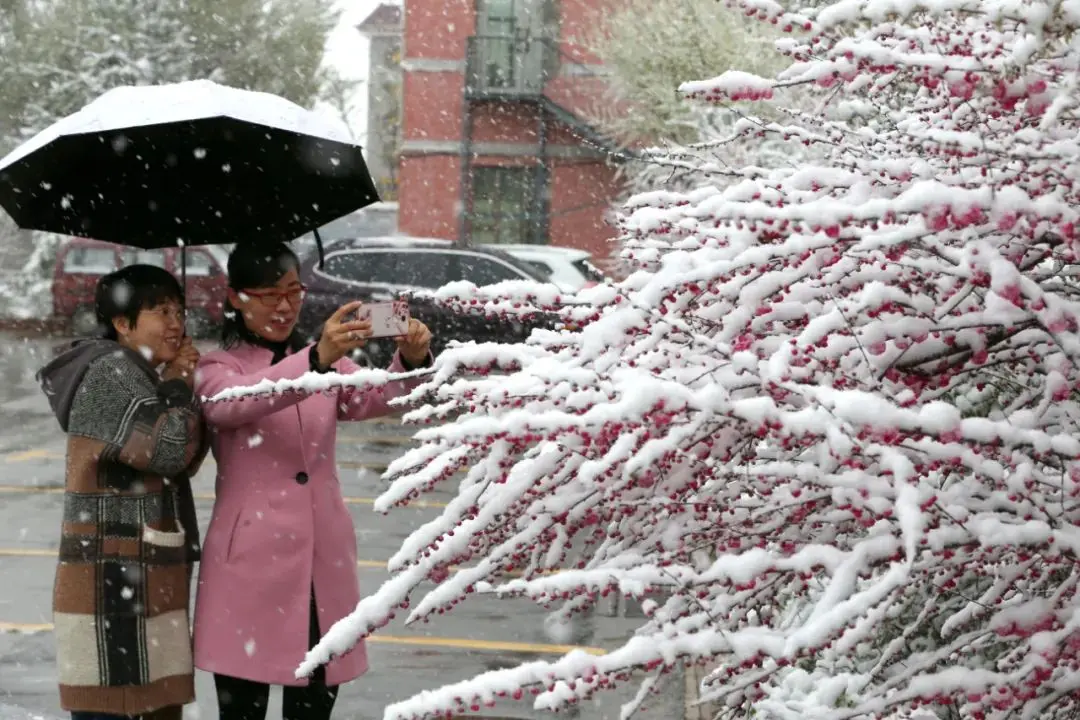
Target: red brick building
<point>496,145</point>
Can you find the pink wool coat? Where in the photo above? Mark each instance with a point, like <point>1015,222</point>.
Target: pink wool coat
<point>280,522</point>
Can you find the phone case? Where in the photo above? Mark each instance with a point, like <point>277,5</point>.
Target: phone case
<point>388,319</point>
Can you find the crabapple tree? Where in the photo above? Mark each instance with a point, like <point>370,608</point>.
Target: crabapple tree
<point>826,433</point>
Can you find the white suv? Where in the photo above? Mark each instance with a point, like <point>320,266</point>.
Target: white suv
<point>568,268</point>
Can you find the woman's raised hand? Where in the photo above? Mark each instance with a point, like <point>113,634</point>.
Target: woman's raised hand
<point>341,336</point>
<point>415,346</point>
<point>183,365</point>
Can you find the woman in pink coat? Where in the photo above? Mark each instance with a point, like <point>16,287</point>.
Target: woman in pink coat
<point>279,560</point>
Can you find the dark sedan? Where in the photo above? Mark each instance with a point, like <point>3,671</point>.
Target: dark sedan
<point>377,270</point>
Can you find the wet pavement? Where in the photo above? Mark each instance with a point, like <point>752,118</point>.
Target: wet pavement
<point>482,634</point>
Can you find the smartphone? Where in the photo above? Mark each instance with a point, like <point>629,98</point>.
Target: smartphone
<point>388,319</point>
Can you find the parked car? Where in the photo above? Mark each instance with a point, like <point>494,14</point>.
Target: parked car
<point>569,268</point>
<point>81,262</point>
<point>378,269</point>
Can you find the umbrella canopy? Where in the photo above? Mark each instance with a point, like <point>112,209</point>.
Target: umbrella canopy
<point>194,163</point>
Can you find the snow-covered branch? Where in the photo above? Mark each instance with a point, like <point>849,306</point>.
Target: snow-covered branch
<point>826,433</point>
<point>313,382</point>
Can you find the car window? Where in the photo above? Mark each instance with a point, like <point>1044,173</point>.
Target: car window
<point>541,267</point>
<point>90,260</point>
<point>360,266</point>
<point>198,263</point>
<point>132,256</point>
<point>480,270</point>
<point>408,268</point>
<point>421,269</point>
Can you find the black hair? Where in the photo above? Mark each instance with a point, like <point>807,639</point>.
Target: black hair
<point>130,290</point>
<point>251,267</point>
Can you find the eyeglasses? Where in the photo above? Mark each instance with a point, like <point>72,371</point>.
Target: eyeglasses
<point>169,313</point>
<point>272,298</point>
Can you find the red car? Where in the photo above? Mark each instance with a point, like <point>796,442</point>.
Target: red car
<point>81,262</point>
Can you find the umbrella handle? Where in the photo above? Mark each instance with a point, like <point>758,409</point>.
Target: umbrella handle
<point>319,247</point>
<point>183,280</point>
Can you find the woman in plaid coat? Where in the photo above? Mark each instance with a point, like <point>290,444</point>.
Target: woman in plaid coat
<point>129,536</point>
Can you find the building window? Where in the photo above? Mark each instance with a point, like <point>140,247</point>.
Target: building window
<point>497,45</point>
<point>513,53</point>
<point>504,202</point>
<point>497,18</point>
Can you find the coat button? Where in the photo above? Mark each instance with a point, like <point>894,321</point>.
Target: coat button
<point>301,478</point>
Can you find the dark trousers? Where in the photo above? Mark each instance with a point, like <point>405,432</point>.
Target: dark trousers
<point>240,699</point>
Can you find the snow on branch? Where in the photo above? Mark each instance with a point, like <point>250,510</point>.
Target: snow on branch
<point>733,85</point>
<point>826,434</point>
<point>313,382</point>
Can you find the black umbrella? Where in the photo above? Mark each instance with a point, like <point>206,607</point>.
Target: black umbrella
<point>188,164</point>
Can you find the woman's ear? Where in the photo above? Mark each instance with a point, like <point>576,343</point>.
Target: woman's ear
<point>234,298</point>
<point>121,325</point>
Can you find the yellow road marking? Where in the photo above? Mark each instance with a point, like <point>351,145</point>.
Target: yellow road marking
<point>25,627</point>
<point>42,454</point>
<point>372,564</point>
<point>350,500</point>
<point>355,465</point>
<point>30,490</point>
<point>27,552</point>
<point>378,439</point>
<point>34,454</point>
<point>430,504</point>
<point>44,552</point>
<point>419,640</point>
<point>493,645</point>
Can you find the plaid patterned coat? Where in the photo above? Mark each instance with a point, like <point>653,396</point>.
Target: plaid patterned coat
<point>120,602</point>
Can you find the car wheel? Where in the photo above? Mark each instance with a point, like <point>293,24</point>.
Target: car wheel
<point>84,321</point>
